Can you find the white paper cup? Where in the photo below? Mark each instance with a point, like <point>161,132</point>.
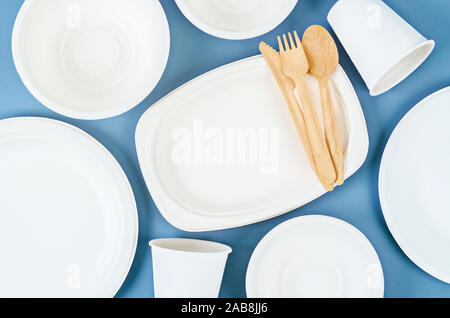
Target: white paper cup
<point>384,48</point>
<point>187,268</point>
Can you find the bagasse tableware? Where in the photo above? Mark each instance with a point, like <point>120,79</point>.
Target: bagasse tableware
<point>187,268</point>
<point>384,48</point>
<point>314,256</point>
<point>295,65</point>
<point>236,19</point>
<point>323,58</point>
<point>68,219</point>
<point>413,184</point>
<point>200,191</point>
<point>90,59</point>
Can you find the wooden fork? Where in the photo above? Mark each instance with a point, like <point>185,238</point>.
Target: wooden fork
<point>287,88</point>
<point>295,65</point>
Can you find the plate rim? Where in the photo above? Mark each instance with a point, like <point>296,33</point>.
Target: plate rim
<point>126,181</point>
<point>298,221</point>
<point>381,181</point>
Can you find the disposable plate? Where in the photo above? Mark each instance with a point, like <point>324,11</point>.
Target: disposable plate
<point>222,150</point>
<point>68,219</point>
<point>413,184</point>
<point>90,59</point>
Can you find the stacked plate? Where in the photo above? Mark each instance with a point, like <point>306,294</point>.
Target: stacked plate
<point>68,222</point>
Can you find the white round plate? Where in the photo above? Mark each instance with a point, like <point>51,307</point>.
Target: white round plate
<point>68,219</point>
<point>413,187</point>
<point>90,59</point>
<point>314,256</point>
<point>236,19</point>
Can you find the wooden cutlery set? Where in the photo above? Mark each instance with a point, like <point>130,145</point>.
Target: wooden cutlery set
<point>317,55</point>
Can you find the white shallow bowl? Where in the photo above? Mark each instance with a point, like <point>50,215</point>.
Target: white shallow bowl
<point>236,19</point>
<point>68,218</point>
<point>222,150</point>
<point>314,256</point>
<point>90,59</point>
<point>413,184</point>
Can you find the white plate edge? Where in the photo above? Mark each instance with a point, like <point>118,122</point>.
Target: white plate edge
<point>122,172</point>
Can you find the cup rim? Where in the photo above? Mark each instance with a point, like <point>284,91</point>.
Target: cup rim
<point>378,89</point>
<point>191,246</point>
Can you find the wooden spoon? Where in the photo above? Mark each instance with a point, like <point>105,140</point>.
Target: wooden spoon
<point>323,57</point>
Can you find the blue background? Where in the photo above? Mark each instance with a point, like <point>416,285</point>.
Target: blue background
<point>193,53</point>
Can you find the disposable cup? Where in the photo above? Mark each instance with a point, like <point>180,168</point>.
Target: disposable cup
<point>383,46</point>
<point>187,268</point>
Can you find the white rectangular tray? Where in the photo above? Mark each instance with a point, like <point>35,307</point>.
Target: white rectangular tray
<point>221,151</point>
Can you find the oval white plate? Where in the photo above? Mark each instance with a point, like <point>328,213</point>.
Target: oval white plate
<point>68,219</point>
<point>314,256</point>
<point>413,184</point>
<point>236,19</point>
<point>222,151</point>
<point>90,59</point>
